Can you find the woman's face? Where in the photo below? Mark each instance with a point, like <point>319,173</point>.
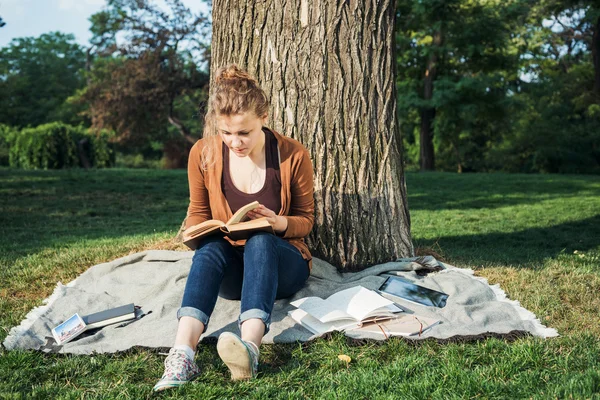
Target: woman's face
<point>242,133</point>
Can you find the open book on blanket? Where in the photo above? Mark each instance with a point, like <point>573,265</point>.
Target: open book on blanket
<point>238,227</point>
<point>344,310</point>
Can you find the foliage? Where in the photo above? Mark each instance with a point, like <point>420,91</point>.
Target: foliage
<point>515,84</point>
<point>546,258</point>
<point>37,75</point>
<point>476,64</point>
<point>6,134</point>
<point>137,161</point>
<point>135,88</point>
<point>56,145</point>
<point>559,128</point>
<point>101,153</point>
<point>557,132</point>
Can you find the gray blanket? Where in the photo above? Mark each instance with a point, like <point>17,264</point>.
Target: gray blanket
<point>155,280</point>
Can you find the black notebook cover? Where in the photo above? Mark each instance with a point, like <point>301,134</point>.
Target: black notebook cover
<point>109,314</point>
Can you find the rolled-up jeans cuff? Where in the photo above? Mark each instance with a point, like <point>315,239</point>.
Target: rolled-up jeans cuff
<point>255,313</point>
<point>194,313</point>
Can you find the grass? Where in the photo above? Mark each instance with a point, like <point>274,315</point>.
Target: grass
<point>538,236</point>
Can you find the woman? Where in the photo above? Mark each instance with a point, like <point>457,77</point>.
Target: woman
<point>238,161</point>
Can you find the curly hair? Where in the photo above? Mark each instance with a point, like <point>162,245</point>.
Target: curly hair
<point>235,92</point>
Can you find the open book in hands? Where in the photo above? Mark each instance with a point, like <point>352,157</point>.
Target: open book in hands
<point>344,310</point>
<point>238,227</point>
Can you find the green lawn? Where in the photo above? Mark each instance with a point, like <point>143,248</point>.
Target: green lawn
<point>538,236</point>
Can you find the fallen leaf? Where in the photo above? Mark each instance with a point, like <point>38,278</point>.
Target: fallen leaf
<point>345,358</point>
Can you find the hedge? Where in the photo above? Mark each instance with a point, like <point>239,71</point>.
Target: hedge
<point>57,145</point>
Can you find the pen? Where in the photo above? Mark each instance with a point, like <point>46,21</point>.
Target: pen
<point>133,320</point>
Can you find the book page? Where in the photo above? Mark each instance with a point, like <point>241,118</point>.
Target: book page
<point>193,240</point>
<point>195,230</point>
<point>359,302</point>
<point>111,321</point>
<point>318,327</point>
<point>321,309</point>
<point>243,230</point>
<point>248,225</point>
<point>241,213</point>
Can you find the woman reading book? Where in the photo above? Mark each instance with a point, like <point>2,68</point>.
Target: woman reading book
<point>239,161</point>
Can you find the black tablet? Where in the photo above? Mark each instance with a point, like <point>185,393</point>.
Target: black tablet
<point>409,291</point>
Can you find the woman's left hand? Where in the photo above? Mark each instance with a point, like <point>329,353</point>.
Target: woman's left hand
<point>278,222</point>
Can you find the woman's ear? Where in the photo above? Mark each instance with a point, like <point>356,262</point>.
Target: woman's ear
<point>263,119</point>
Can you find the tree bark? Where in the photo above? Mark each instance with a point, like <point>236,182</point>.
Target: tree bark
<point>427,156</point>
<point>329,70</point>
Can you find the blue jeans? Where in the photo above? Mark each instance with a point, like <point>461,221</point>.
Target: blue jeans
<point>266,268</point>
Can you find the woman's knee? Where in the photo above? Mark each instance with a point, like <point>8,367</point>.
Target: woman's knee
<point>260,240</point>
<point>214,252</point>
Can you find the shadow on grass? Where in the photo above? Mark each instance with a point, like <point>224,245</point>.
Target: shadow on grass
<point>59,208</point>
<point>438,191</point>
<point>526,248</point>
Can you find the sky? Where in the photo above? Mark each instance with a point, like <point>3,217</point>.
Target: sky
<point>34,17</point>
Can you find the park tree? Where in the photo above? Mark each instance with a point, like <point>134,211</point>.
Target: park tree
<point>37,76</point>
<point>136,85</point>
<point>458,60</point>
<point>328,69</point>
<point>558,125</point>
<point>572,36</point>
<point>575,27</point>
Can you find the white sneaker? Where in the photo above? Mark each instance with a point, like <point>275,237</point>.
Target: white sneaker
<point>240,357</point>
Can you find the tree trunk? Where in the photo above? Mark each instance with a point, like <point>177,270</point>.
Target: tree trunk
<point>329,71</point>
<point>427,157</point>
<point>596,56</point>
<point>183,131</point>
<point>83,150</point>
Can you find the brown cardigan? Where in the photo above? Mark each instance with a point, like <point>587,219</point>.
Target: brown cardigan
<point>297,204</point>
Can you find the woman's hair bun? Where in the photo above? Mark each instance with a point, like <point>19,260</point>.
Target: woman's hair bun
<point>233,74</point>
<point>235,92</point>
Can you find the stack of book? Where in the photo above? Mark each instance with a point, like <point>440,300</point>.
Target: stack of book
<point>76,325</point>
